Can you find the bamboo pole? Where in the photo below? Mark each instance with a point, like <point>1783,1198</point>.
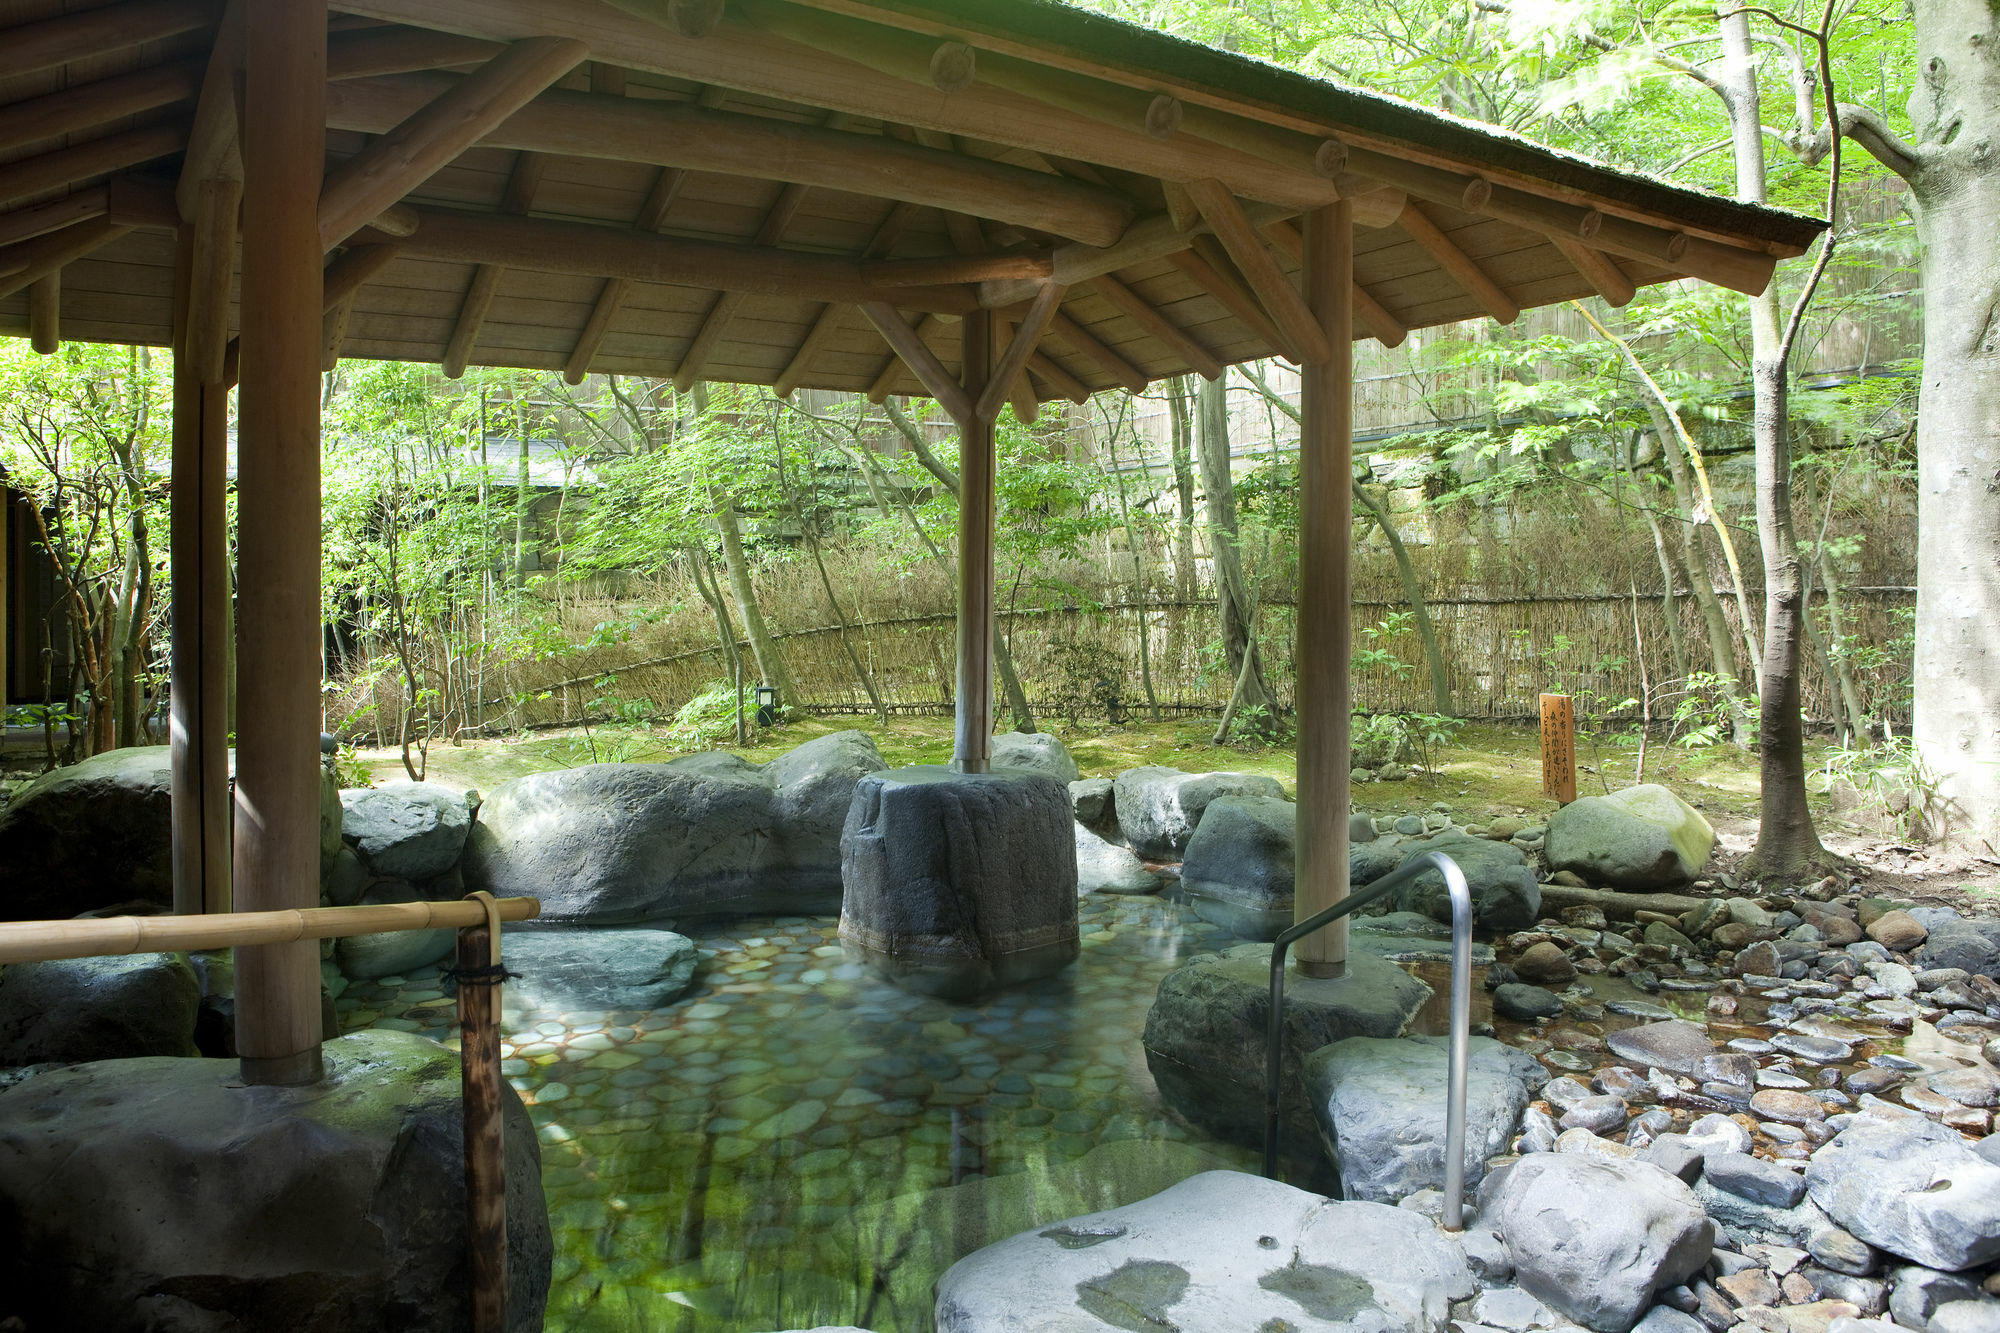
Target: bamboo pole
<point>479,980</point>
<point>278,1027</point>
<point>1321,645</point>
<point>97,937</point>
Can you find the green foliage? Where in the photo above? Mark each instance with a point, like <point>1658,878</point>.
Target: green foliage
<point>708,719</point>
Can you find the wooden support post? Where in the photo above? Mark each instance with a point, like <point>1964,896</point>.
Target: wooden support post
<point>45,313</point>
<point>277,747</point>
<point>972,738</point>
<point>484,1113</point>
<point>1326,475</point>
<point>1001,386</point>
<point>199,556</point>
<point>1559,748</point>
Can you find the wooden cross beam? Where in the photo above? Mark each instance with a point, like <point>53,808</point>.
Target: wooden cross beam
<point>1274,289</point>
<point>1463,267</point>
<point>923,363</point>
<point>1177,340</point>
<point>1015,359</point>
<point>652,215</point>
<point>518,198</point>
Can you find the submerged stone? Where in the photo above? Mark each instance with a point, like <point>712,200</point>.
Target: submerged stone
<point>1238,870</point>
<point>597,969</point>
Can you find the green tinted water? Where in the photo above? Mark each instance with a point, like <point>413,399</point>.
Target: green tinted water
<point>796,1143</point>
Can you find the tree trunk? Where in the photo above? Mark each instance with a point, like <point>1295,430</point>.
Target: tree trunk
<point>770,661</point>
<point>1178,394</point>
<point>1138,579</point>
<point>1413,593</point>
<point>1701,581</point>
<point>732,658</point>
<point>1956,110</point>
<point>1843,670</point>
<point>1233,604</point>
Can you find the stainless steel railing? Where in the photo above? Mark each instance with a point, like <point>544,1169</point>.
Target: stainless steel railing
<point>1461,1016</point>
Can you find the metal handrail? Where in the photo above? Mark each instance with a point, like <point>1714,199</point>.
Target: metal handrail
<point>1461,1015</point>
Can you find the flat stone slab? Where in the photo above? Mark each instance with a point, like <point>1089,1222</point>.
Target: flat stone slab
<point>597,969</point>
<point>1205,1035</point>
<point>1220,1251</point>
<point>954,883</point>
<point>1911,1187</point>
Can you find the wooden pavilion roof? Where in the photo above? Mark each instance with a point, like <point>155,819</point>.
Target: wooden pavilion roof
<point>755,191</point>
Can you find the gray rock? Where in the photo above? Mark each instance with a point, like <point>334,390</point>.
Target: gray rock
<point>1954,942</point>
<point>76,1009</point>
<point>1524,1003</point>
<point>1594,1238</point>
<point>959,882</point>
<point>1510,1309</point>
<point>392,953</point>
<point>1037,752</point>
<point>1676,1046</point>
<point>1755,1179</point>
<point>1640,838</point>
<point>1505,895</point>
<point>1382,1117</point>
<point>1666,1319</point>
<point>1360,829</point>
<point>162,1193</point>
<point>1748,1220</point>
<point>1916,1292</point>
<point>1598,1114</point>
<point>1980,1316</point>
<point>89,835</point>
<point>348,881</point>
<point>405,830</point>
<point>1096,810</point>
<point>1220,1251</point>
<point>709,833</point>
<point>597,969</point>
<point>1843,1252</point>
<point>1159,808</point>
<point>1238,868</point>
<point>1205,1034</point>
<point>1912,1188</point>
<point>1104,867</point>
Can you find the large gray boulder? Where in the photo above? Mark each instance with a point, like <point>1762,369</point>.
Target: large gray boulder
<point>1957,942</point>
<point>73,1009</point>
<point>1910,1187</point>
<point>1105,867</point>
<point>958,882</point>
<point>391,953</point>
<point>1205,1035</point>
<point>1594,1237</point>
<point>1158,808</point>
<point>597,969</point>
<point>162,1193</point>
<point>1641,838</point>
<point>1381,1109</point>
<point>1504,893</point>
<point>1037,752</point>
<point>702,835</point>
<point>1219,1251</point>
<point>1238,868</point>
<point>405,830</point>
<point>89,835</point>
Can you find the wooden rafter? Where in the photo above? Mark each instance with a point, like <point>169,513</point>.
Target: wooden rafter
<point>1052,373</point>
<point>395,49</point>
<point>24,224</point>
<point>652,214</point>
<point>69,166</point>
<point>1478,283</point>
<point>990,267</point>
<point>697,138</point>
<point>87,105</point>
<point>1087,345</point>
<point>1604,276</point>
<point>30,47</point>
<point>1231,295</point>
<point>1176,340</point>
<point>412,151</point>
<point>517,199</point>
<point>716,323</point>
<point>1273,287</point>
<point>34,260</point>
<point>1013,362</point>
<point>887,233</point>
<point>921,360</point>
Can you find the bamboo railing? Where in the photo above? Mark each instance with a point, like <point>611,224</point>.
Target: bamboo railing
<point>477,918</point>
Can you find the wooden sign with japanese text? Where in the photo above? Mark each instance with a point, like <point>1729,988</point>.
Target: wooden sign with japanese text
<point>1558,748</point>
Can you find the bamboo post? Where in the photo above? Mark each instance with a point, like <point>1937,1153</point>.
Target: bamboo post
<point>479,979</point>
<point>1326,469</point>
<point>199,554</point>
<point>972,744</point>
<point>1559,748</point>
<point>277,794</point>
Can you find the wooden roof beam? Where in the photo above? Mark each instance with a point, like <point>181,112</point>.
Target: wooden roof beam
<point>652,215</point>
<point>214,151</point>
<point>45,313</point>
<point>31,261</point>
<point>423,142</point>
<point>84,106</point>
<point>28,48</point>
<point>370,52</point>
<point>1014,361</point>
<point>517,199</point>
<point>1274,289</point>
<point>676,134</point>
<point>1056,377</point>
<point>1176,340</point>
<point>24,224</point>
<point>923,362</point>
<point>1463,268</point>
<point>1086,345</point>
<point>715,325</point>
<point>887,233</point>
<point>1386,328</point>
<point>81,162</point>
<point>1036,266</point>
<point>1604,276</point>
<point>1234,299</point>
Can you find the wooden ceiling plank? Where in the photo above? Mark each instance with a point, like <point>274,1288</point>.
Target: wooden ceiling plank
<point>888,233</point>
<point>416,147</point>
<point>1020,347</point>
<point>1087,346</point>
<point>1172,336</point>
<point>679,134</point>
<point>518,198</point>
<point>653,211</point>
<point>1478,283</point>
<point>715,325</point>
<point>31,47</point>
<point>1273,287</point>
<point>1233,299</point>
<point>923,362</point>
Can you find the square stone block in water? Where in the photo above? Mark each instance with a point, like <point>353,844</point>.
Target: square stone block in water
<point>953,883</point>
